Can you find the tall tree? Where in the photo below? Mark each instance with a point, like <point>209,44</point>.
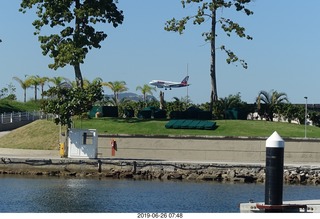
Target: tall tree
<point>117,87</point>
<point>24,85</point>
<point>74,21</point>
<point>207,10</point>
<point>42,83</point>
<point>145,89</point>
<point>271,101</point>
<point>34,81</point>
<point>70,101</point>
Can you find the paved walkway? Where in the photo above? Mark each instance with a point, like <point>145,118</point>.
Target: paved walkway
<point>29,154</point>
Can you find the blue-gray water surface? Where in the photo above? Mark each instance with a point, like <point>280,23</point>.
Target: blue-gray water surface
<point>64,195</point>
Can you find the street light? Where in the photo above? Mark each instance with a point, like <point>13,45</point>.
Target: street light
<point>305,118</point>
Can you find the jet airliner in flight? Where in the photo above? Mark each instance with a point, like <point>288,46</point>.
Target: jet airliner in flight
<point>170,84</point>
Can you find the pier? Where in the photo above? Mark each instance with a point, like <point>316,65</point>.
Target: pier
<point>301,206</point>
<point>274,185</point>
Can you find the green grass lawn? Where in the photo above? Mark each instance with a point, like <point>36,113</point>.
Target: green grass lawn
<point>224,128</point>
<point>43,134</point>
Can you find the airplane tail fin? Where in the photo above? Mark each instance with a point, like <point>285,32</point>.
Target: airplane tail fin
<point>185,80</point>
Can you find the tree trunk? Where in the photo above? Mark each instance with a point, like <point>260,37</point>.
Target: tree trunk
<point>162,100</point>
<point>35,92</point>
<point>213,95</point>
<point>78,75</point>
<point>76,39</point>
<point>42,88</point>
<point>25,95</point>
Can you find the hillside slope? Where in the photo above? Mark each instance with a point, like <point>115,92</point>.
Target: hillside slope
<point>40,134</point>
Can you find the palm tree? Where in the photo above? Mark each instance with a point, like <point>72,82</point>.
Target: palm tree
<point>85,83</point>
<point>34,81</point>
<point>58,80</point>
<point>24,85</point>
<point>146,89</point>
<point>271,101</point>
<point>42,82</point>
<point>178,104</point>
<point>117,87</point>
<point>224,104</point>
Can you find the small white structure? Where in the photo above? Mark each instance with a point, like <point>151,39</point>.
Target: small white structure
<point>82,143</point>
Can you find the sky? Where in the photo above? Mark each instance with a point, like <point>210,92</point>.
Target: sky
<point>283,55</point>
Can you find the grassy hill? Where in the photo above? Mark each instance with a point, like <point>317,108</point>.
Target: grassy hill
<point>43,134</point>
<point>40,134</point>
<point>16,106</point>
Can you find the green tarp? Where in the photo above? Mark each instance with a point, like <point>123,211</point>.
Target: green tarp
<point>190,124</point>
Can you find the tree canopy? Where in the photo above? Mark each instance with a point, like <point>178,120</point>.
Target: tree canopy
<point>68,101</point>
<point>207,10</point>
<point>75,34</point>
<point>145,89</point>
<point>117,87</point>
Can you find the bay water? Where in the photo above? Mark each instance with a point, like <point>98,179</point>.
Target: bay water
<point>40,194</point>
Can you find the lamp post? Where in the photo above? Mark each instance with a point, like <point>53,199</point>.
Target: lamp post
<point>305,118</point>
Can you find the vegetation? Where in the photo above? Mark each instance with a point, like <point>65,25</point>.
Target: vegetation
<point>24,85</point>
<point>41,134</point>
<point>145,90</point>
<point>74,22</point>
<point>116,87</point>
<point>208,10</point>
<point>8,92</point>
<point>44,134</point>
<point>8,106</point>
<point>70,101</point>
<point>272,101</point>
<point>74,34</point>
<point>224,128</point>
<point>268,105</point>
<point>58,80</point>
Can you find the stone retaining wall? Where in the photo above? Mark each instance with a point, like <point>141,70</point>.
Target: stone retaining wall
<point>150,170</point>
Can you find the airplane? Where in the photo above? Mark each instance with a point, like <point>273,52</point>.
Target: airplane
<point>170,84</point>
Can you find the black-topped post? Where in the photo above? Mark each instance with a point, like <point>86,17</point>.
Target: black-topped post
<point>274,171</point>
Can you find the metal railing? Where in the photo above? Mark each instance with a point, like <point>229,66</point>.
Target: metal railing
<point>23,116</point>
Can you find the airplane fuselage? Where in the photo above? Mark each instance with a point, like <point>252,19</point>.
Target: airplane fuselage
<point>170,84</point>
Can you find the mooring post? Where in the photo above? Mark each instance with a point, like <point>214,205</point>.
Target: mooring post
<point>99,166</point>
<point>134,167</point>
<point>274,171</point>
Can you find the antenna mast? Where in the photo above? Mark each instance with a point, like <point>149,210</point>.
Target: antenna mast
<point>187,83</point>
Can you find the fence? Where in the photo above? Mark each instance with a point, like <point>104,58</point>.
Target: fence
<point>13,117</point>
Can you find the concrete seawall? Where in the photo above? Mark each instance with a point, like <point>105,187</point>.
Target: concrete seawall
<point>172,157</point>
<point>206,149</point>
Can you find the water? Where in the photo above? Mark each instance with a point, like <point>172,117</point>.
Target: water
<point>62,195</point>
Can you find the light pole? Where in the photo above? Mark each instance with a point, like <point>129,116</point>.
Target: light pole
<point>305,118</point>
